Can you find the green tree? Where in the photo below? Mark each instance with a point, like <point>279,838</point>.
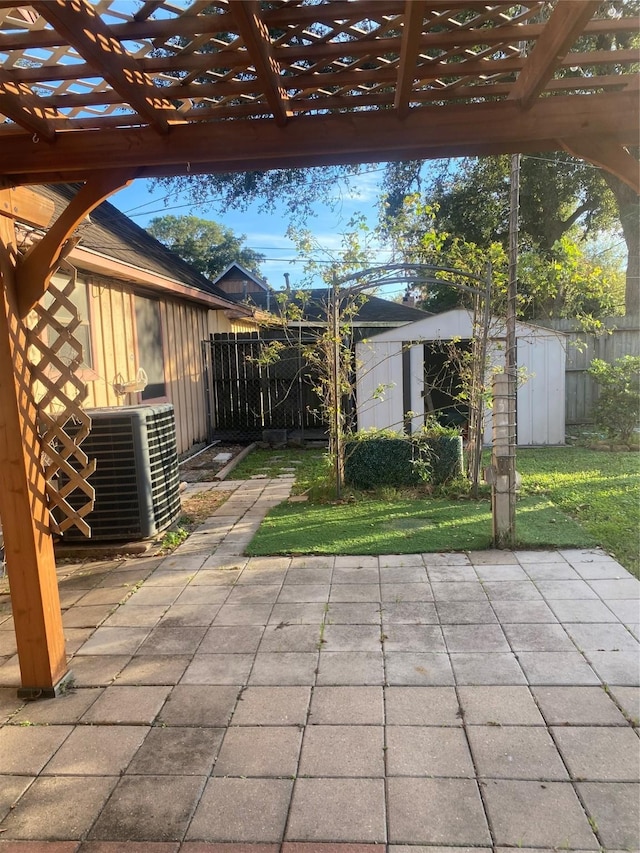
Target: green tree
<point>463,218</point>
<point>558,195</point>
<point>567,282</point>
<point>570,283</point>
<point>208,246</point>
<point>617,410</point>
<point>628,205</point>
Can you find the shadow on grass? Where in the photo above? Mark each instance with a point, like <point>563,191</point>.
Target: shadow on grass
<point>408,527</point>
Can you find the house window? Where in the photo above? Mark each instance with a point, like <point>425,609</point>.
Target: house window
<point>150,349</point>
<point>82,334</point>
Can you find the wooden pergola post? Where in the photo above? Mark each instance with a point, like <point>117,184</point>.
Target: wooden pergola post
<point>25,516</point>
<point>23,503</point>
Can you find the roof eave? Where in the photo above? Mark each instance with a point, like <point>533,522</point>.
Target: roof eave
<point>91,261</point>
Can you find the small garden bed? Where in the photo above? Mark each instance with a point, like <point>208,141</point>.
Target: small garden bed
<point>205,465</point>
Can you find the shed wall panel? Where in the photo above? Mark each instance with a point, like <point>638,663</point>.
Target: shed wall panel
<point>540,352</point>
<point>379,385</point>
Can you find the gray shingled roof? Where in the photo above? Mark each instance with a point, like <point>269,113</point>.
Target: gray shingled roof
<point>114,235</point>
<point>375,311</point>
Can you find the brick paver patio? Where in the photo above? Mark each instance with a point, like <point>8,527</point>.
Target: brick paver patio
<point>481,700</point>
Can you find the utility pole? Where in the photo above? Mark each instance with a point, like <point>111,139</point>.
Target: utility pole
<point>503,455</point>
<point>511,355</point>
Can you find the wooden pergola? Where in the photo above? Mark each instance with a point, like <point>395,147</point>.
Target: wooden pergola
<point>102,92</point>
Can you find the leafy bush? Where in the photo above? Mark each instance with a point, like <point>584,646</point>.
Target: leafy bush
<point>618,408</point>
<point>440,447</point>
<point>385,458</point>
<point>371,462</point>
<point>444,453</point>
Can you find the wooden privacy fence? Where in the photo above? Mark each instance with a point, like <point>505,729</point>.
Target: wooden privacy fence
<point>245,395</point>
<point>621,337</point>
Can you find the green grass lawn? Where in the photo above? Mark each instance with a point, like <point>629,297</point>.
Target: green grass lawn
<point>406,527</point>
<point>600,489</point>
<point>311,466</point>
<point>571,497</point>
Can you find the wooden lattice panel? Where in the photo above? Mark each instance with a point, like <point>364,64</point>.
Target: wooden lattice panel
<point>59,395</point>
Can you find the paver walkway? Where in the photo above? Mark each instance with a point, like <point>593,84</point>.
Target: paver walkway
<point>485,700</point>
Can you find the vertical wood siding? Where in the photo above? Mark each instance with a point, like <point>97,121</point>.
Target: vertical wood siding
<point>115,353</point>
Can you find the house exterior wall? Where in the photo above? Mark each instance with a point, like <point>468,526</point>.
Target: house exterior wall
<point>234,282</point>
<point>217,321</point>
<point>115,351</point>
<point>541,355</point>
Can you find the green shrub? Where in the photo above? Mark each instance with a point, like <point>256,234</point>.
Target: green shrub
<point>384,458</point>
<point>618,408</point>
<point>371,462</point>
<point>444,453</point>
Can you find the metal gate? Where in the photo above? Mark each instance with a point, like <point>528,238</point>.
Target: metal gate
<point>246,396</point>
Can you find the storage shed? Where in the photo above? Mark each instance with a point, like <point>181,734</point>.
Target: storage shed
<point>394,369</point>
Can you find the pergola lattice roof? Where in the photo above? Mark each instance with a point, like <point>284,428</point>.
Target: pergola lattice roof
<point>232,84</point>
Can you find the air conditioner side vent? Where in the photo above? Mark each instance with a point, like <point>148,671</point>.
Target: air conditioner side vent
<point>136,479</point>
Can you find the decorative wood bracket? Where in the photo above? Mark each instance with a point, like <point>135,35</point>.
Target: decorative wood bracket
<point>36,268</point>
<point>608,155</point>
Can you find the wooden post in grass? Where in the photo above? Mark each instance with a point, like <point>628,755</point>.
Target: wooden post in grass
<point>501,463</point>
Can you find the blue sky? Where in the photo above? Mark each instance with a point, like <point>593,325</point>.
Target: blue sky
<point>265,232</point>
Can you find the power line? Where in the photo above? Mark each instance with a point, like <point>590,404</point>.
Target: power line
<point>608,249</point>
<point>584,163</point>
<point>208,201</point>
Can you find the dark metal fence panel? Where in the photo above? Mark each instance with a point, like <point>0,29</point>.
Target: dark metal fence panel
<point>246,396</point>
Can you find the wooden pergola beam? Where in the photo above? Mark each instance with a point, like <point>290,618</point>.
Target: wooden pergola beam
<point>189,25</point>
<point>255,35</point>
<point>185,25</point>
<point>608,155</point>
<point>567,22</point>
<point>22,204</point>
<point>203,64</point>
<point>409,49</point>
<point>301,104</point>
<point>83,28</point>
<point>348,11</point>
<point>18,103</point>
<point>494,128</point>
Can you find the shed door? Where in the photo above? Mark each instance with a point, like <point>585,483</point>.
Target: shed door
<point>541,397</point>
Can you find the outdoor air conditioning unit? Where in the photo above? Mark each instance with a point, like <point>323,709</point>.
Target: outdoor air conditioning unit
<point>136,478</point>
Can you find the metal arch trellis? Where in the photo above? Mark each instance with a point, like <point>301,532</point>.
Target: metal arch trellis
<point>480,288</point>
